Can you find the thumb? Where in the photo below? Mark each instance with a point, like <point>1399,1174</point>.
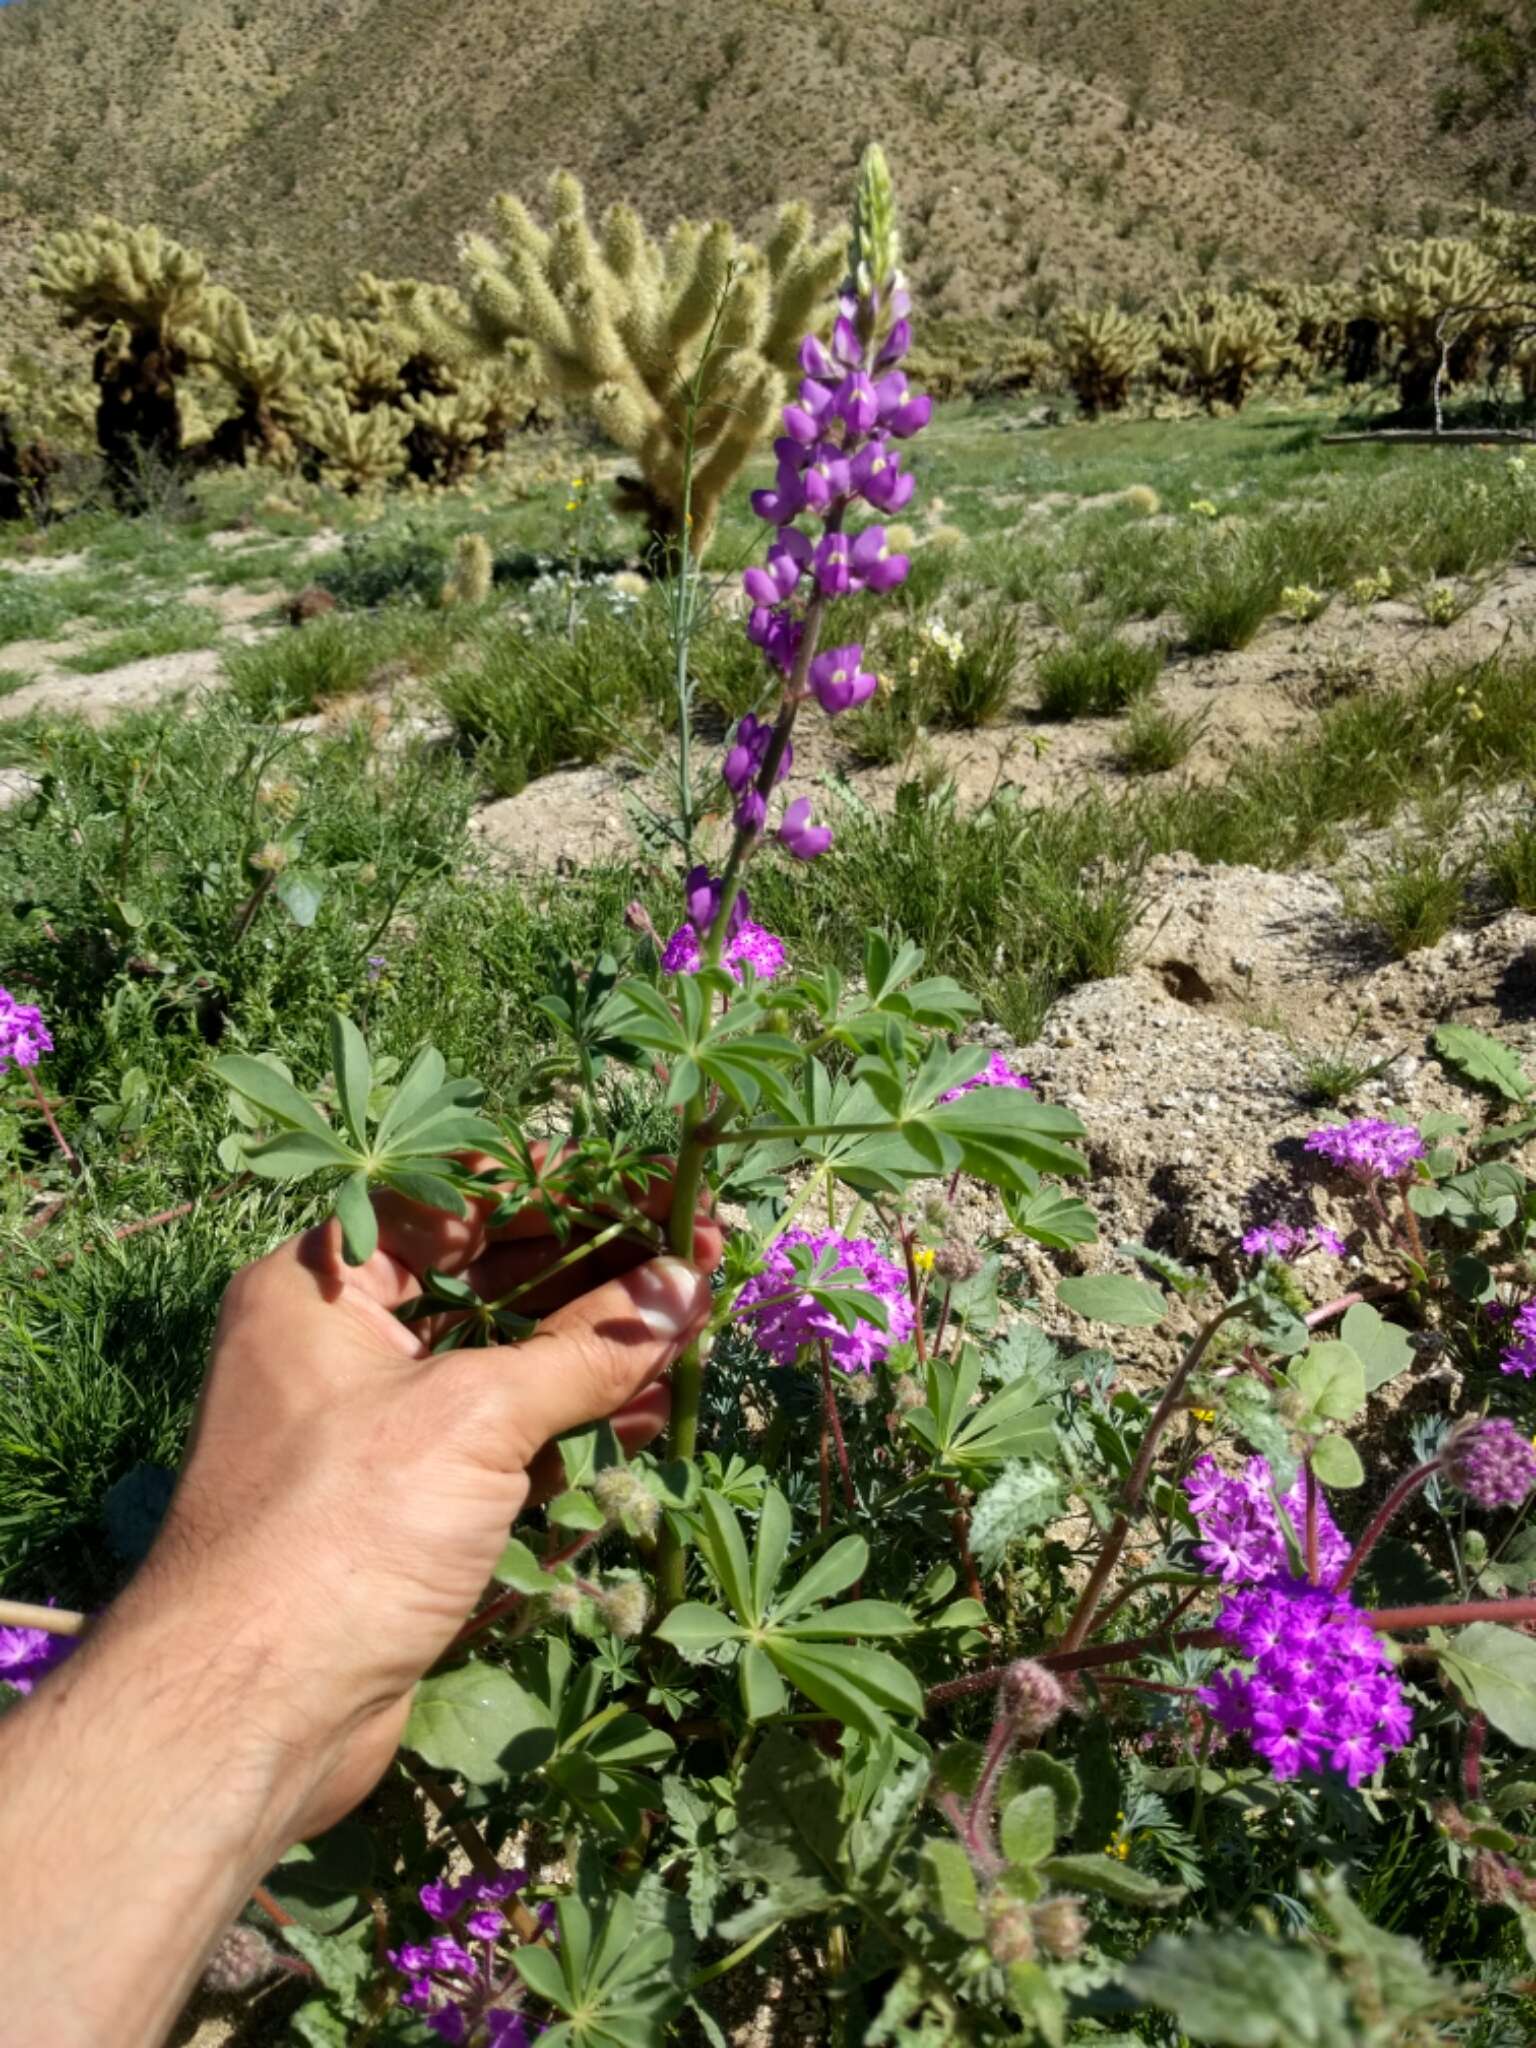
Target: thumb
<point>586,1360</point>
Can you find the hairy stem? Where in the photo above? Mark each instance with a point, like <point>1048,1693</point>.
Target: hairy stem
<point>48,1118</point>
<point>1375,1527</point>
<point>1135,1485</point>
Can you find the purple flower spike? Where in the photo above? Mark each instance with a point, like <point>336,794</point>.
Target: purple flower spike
<point>799,836</point>
<point>837,681</point>
<point>873,563</point>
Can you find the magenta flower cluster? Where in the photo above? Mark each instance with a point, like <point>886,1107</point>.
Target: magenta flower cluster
<point>1369,1148</point>
<point>1491,1463</point>
<point>784,1319</point>
<point>1290,1240</point>
<point>23,1034</point>
<point>458,1981</point>
<point>746,944</point>
<point>1321,1693</point>
<point>995,1074</point>
<point>28,1654</point>
<point>1520,1352</point>
<point>1240,1536</point>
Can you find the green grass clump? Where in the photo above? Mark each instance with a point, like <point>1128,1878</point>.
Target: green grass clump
<point>176,629</point>
<point>973,689</point>
<point>1226,596</point>
<point>1155,739</point>
<point>29,610</point>
<point>1511,866</point>
<point>298,670</point>
<point>1095,674</point>
<point>999,898</point>
<point>531,703</point>
<point>1416,897</point>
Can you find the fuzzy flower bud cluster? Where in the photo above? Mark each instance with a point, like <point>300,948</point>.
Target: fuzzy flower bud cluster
<point>1033,1697</point>
<point>1320,1692</point>
<point>1491,1463</point>
<point>23,1035</point>
<point>784,1319</point>
<point>1368,1148</point>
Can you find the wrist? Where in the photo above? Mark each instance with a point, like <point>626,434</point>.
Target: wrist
<point>150,1776</point>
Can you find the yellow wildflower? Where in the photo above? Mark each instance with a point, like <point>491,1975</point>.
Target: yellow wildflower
<point>922,1258</point>
<point>1203,1414</point>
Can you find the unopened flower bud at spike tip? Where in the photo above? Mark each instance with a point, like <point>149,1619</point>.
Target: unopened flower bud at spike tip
<point>1033,1697</point>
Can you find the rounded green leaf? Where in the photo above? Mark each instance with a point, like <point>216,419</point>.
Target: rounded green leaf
<point>1112,1298</point>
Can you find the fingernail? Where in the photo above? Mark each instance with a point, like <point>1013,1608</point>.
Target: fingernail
<point>667,1297</point>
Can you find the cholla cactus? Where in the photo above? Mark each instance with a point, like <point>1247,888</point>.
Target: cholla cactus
<point>1102,352</point>
<point>270,377</point>
<point>473,570</point>
<point>360,360</point>
<point>620,322</point>
<point>141,296</point>
<point>1218,346</point>
<point>28,463</point>
<point>366,449</point>
<point>1428,295</point>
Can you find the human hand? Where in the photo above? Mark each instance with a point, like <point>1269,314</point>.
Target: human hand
<point>346,1493</point>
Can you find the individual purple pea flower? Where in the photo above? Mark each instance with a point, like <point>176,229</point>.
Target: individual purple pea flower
<point>773,583</point>
<point>1369,1148</point>
<point>896,344</point>
<point>874,566</point>
<point>1520,1352</point>
<point>833,566</point>
<point>814,359</point>
<point>876,474</point>
<point>803,423</point>
<point>24,1036</point>
<point>856,402</point>
<point>778,632</point>
<point>847,349</point>
<point>995,1074</point>
<point>1490,1462</point>
<point>826,477</point>
<point>751,812</point>
<point>376,964</point>
<point>799,836</point>
<point>784,1320</point>
<point>838,682</point>
<point>745,756</point>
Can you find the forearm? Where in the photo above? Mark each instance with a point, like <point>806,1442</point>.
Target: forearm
<point>144,1789</point>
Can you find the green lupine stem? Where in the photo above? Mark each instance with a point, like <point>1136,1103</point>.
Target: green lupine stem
<point>688,1373</point>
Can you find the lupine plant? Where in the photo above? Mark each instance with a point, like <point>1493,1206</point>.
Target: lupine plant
<point>989,1686</point>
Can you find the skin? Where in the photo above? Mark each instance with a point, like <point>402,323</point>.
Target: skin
<point>344,1499</point>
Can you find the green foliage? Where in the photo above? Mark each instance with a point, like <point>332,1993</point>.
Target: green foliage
<point>1156,739</point>
<point>1096,675</point>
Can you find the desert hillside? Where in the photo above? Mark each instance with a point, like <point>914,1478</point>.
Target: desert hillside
<point>1043,151</point>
